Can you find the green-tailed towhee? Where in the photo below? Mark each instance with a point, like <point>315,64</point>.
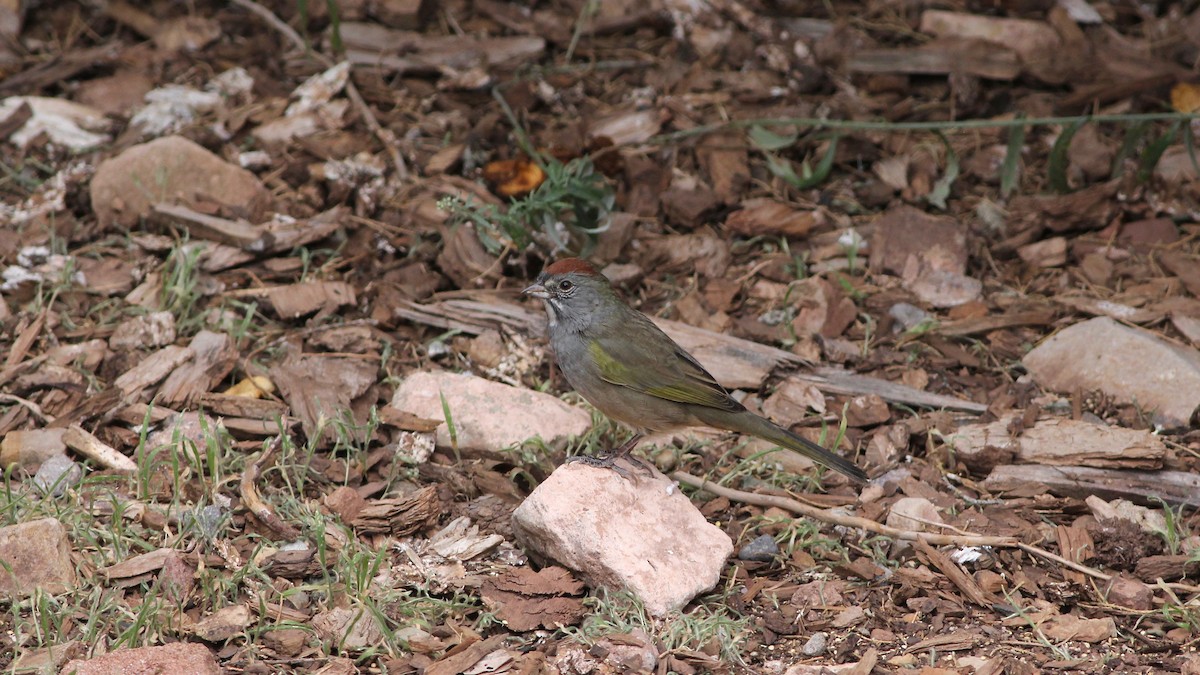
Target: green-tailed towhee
<point>623,364</point>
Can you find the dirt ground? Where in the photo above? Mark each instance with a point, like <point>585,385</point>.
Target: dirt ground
<point>231,232</point>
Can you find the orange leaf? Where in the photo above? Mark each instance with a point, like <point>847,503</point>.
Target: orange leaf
<point>1185,97</point>
<point>513,177</point>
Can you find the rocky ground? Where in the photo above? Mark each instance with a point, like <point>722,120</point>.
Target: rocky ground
<point>270,396</point>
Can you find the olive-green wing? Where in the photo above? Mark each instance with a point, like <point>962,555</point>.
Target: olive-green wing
<point>664,370</point>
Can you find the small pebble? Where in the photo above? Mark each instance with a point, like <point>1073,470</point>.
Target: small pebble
<point>57,474</point>
<point>816,644</point>
<point>907,316</point>
<point>760,549</point>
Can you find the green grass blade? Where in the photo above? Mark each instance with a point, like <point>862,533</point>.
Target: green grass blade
<point>1154,152</point>
<point>1010,172</point>
<point>819,174</point>
<point>1189,143</point>
<point>765,139</point>
<point>1132,138</point>
<point>1056,171</point>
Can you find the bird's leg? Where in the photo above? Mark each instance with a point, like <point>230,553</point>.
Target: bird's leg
<point>627,447</point>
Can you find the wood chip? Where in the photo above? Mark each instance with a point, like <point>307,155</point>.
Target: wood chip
<point>399,516</point>
<point>79,440</point>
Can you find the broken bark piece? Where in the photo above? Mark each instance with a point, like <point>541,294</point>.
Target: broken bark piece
<point>237,233</point>
<point>726,160</point>
<point>320,388</point>
<point>1141,487</point>
<point>526,600</point>
<point>375,46</point>
<point>968,586</point>
<point>1057,442</point>
<point>292,563</point>
<point>297,300</point>
<point>463,660</point>
<point>1167,567</point>
<point>771,217</point>
<point>1036,43</point>
<point>689,209</point>
<point>403,14</point>
<point>241,406</point>
<point>139,568</point>
<point>152,369</point>
<point>215,356</point>
<point>399,516</point>
<point>1088,209</point>
<point>940,57</point>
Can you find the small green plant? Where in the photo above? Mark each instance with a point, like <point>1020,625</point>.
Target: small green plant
<point>563,214</point>
<point>712,622</point>
<point>1174,530</point>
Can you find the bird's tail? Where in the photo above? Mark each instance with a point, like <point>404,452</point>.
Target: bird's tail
<point>747,422</point>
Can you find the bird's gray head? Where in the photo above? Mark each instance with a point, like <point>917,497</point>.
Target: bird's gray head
<point>572,291</point>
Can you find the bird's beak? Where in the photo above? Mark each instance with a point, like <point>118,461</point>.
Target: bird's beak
<point>537,290</point>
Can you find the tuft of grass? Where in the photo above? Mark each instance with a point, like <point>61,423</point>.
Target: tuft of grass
<point>711,623</point>
<point>181,294</point>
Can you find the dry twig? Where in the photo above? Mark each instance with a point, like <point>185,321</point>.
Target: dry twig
<point>965,539</point>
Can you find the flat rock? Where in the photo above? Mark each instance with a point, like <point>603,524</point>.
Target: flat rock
<point>488,415</point>
<point>33,555</point>
<point>638,533</point>
<point>1129,364</point>
<point>172,170</point>
<point>179,657</point>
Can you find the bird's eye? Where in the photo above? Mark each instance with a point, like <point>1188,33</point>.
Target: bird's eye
<point>565,285</point>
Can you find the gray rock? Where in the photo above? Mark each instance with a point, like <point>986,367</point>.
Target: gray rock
<point>759,549</point>
<point>907,316</point>
<point>638,533</point>
<point>57,474</point>
<point>1130,364</point>
<point>816,644</point>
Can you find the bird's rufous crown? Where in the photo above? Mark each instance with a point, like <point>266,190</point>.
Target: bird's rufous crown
<point>567,265</point>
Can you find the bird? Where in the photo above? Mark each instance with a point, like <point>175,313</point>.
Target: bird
<point>633,372</point>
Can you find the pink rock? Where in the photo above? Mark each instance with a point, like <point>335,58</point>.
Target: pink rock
<point>181,657</point>
<point>35,555</point>
<point>173,170</point>
<point>638,533</point>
